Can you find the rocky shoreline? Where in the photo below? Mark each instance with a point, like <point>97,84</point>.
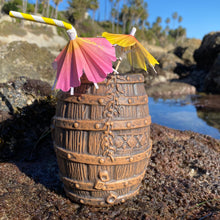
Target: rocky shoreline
<point>181,182</point>
<point>191,66</point>
<point>182,179</point>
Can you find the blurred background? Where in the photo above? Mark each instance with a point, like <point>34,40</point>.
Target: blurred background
<point>184,36</point>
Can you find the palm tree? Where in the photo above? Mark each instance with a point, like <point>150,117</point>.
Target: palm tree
<point>124,13</point>
<point>178,29</point>
<point>132,12</point>
<point>93,5</point>
<point>56,2</point>
<point>77,10</point>
<point>167,21</point>
<point>180,19</point>
<point>136,10</point>
<point>113,14</point>
<point>117,14</point>
<point>143,18</point>
<point>106,7</point>
<point>2,2</point>
<point>36,7</point>
<point>24,9</point>
<point>174,16</point>
<point>48,8</point>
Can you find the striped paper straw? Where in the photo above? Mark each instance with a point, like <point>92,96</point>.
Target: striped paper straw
<point>39,19</point>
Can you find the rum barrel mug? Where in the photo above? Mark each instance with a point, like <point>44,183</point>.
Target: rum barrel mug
<point>102,141</point>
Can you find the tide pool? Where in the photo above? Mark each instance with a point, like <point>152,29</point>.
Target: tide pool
<point>180,114</point>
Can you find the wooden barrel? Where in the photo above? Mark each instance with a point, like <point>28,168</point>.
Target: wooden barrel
<point>102,141</point>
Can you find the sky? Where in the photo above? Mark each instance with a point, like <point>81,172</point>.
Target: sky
<point>199,16</point>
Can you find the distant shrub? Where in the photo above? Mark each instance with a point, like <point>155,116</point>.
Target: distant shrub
<point>10,6</point>
<point>16,5</point>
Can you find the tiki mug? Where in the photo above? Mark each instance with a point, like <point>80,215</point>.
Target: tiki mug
<point>102,139</point>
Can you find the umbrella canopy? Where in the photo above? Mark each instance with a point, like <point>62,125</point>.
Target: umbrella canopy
<point>137,54</point>
<point>92,56</point>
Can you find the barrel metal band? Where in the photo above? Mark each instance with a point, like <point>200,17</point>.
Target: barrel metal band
<point>89,99</point>
<point>113,185</point>
<point>101,125</point>
<point>120,79</point>
<point>101,201</point>
<point>101,160</point>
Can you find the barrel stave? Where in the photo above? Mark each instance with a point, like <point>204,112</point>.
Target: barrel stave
<point>102,139</point>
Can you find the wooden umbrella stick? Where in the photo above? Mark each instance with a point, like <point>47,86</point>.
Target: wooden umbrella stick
<point>118,64</point>
<point>120,58</point>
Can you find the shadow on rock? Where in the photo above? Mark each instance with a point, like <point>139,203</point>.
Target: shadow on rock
<point>25,140</point>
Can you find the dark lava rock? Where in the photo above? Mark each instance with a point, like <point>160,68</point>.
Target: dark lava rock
<point>212,80</point>
<point>208,59</point>
<point>22,92</point>
<point>208,51</point>
<point>21,101</point>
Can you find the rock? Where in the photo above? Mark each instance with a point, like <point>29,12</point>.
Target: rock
<point>185,50</point>
<point>169,62</point>
<point>23,59</point>
<point>20,93</point>
<point>181,180</point>
<point>170,90</point>
<point>208,59</point>
<point>207,108</point>
<point>160,77</point>
<point>212,80</point>
<point>34,33</point>
<point>208,51</point>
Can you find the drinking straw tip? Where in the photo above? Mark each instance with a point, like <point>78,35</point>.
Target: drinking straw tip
<point>133,31</point>
<point>72,91</point>
<point>96,85</point>
<point>72,33</point>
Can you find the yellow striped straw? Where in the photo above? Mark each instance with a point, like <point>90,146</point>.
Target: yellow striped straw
<point>39,19</point>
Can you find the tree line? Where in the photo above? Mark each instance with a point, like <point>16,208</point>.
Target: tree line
<point>123,15</point>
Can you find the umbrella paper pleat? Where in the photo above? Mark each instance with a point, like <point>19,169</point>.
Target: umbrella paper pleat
<point>92,68</point>
<point>136,53</point>
<point>94,60</point>
<point>92,56</point>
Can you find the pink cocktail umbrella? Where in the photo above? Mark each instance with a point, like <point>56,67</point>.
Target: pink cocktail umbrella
<point>92,56</point>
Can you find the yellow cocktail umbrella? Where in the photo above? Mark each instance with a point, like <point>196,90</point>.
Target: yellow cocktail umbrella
<point>136,53</point>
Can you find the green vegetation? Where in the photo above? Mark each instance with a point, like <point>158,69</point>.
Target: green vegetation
<point>123,15</point>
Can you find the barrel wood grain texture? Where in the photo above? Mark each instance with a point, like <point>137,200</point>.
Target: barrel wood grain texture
<point>102,141</point>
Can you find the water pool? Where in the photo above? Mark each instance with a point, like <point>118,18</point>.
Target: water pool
<point>183,114</point>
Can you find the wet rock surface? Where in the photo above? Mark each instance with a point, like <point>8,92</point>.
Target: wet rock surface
<point>181,182</point>
<point>208,107</point>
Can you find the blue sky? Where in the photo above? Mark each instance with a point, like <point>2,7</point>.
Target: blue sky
<point>199,16</point>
